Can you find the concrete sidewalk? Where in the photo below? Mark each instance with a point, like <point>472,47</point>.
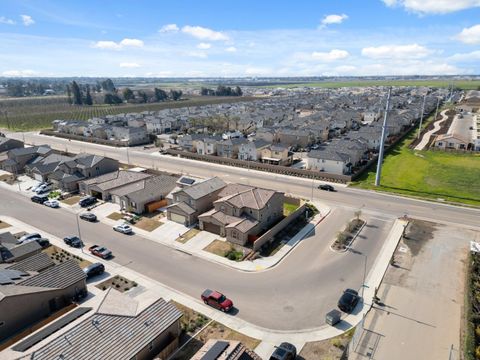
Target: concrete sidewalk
<point>270,336</point>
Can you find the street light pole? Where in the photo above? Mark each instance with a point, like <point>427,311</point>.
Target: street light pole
<point>79,233</point>
<point>364,274</point>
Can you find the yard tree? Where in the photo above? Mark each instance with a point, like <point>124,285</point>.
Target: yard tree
<point>176,94</point>
<point>108,85</point>
<point>143,96</point>
<point>238,91</point>
<point>112,99</point>
<point>77,94</point>
<point>128,94</point>
<point>69,94</point>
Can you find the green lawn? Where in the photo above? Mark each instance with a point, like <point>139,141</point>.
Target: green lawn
<point>428,174</point>
<point>289,208</point>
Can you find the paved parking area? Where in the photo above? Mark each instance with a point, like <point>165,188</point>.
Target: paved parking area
<point>422,297</point>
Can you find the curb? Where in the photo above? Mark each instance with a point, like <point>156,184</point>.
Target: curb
<point>351,241</point>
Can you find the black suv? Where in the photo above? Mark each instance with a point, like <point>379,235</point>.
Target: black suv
<point>348,300</point>
<point>87,201</point>
<point>94,269</point>
<point>285,351</point>
<point>39,199</point>
<point>73,241</point>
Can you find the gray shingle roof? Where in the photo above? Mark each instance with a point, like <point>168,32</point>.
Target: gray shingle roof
<point>327,154</point>
<point>105,336</point>
<point>204,188</point>
<point>59,276</point>
<point>116,179</point>
<point>153,188</point>
<point>38,262</point>
<point>25,249</point>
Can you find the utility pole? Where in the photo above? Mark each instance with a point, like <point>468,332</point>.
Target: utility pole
<point>421,116</point>
<point>436,109</point>
<point>382,140</point>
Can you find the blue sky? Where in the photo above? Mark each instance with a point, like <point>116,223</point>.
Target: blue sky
<point>242,38</point>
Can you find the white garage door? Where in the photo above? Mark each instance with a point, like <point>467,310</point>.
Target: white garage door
<point>38,177</point>
<point>177,218</point>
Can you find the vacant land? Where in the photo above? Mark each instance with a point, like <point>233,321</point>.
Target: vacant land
<point>462,84</point>
<point>38,113</point>
<point>434,175</point>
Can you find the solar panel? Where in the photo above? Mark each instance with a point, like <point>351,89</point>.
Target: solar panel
<point>50,329</point>
<point>187,181</point>
<point>216,350</point>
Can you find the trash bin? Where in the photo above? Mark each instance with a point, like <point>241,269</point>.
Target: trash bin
<point>333,317</point>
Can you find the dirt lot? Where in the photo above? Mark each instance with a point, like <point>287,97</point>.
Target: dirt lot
<point>71,200</point>
<point>148,224</point>
<point>331,349</point>
<point>115,216</point>
<point>59,255</point>
<point>4,225</point>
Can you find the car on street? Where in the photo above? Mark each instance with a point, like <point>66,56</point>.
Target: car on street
<point>39,199</point>
<point>43,188</point>
<point>123,228</point>
<point>88,216</point>
<point>73,241</point>
<point>100,251</point>
<point>43,242</point>
<point>35,187</point>
<point>87,201</point>
<point>28,237</point>
<point>326,187</point>
<point>348,300</point>
<point>285,351</point>
<point>94,270</point>
<point>217,300</point>
<point>52,203</point>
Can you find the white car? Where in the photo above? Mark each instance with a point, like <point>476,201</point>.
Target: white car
<point>43,188</point>
<point>123,228</point>
<point>35,187</point>
<point>52,203</point>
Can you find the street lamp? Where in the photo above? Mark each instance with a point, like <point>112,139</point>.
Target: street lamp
<point>79,233</point>
<point>364,274</point>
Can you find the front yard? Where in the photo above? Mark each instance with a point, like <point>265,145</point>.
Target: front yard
<point>148,224</point>
<point>59,255</point>
<point>187,236</point>
<point>71,200</point>
<point>224,249</point>
<point>117,282</point>
<point>4,225</point>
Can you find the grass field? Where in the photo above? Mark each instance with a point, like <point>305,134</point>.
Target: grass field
<point>428,174</point>
<point>38,113</point>
<point>463,84</point>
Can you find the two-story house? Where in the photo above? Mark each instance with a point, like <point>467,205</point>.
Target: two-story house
<point>252,150</point>
<point>229,148</point>
<point>277,154</point>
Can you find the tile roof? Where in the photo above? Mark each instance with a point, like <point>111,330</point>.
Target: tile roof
<point>255,198</point>
<point>204,188</point>
<point>25,249</point>
<point>109,336</point>
<point>184,207</point>
<point>37,262</point>
<point>59,276</point>
<point>115,179</point>
<point>148,189</point>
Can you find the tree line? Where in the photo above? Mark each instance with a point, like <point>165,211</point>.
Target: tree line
<point>222,91</point>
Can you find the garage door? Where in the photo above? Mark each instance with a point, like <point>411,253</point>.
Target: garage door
<point>178,218</point>
<point>211,228</point>
<point>38,177</point>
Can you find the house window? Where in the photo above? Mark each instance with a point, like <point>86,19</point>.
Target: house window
<point>234,234</point>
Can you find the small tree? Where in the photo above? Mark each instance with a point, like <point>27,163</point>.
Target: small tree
<point>128,94</point>
<point>88,98</point>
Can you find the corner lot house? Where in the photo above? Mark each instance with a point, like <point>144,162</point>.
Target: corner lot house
<point>331,161</point>
<point>19,157</point>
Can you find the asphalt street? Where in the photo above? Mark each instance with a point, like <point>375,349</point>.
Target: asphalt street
<point>294,295</point>
<point>348,197</point>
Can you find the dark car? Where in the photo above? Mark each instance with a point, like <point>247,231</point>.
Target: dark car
<point>87,201</point>
<point>94,269</point>
<point>43,242</point>
<point>217,300</point>
<point>348,300</point>
<point>285,351</point>
<point>39,199</point>
<point>100,251</point>
<point>73,241</point>
<point>88,217</point>
<point>326,187</point>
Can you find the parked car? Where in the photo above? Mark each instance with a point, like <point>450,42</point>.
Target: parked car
<point>285,351</point>
<point>123,228</point>
<point>94,270</point>
<point>73,241</point>
<point>43,188</point>
<point>35,187</point>
<point>348,300</point>
<point>217,300</point>
<point>88,216</point>
<point>43,242</point>
<point>100,251</point>
<point>39,199</point>
<point>87,201</point>
<point>326,187</point>
<point>52,203</point>
<point>28,237</point>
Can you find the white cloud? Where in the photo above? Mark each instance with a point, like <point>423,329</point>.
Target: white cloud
<point>112,45</point>
<point>204,33</point>
<point>470,35</point>
<point>411,51</point>
<point>345,69</point>
<point>4,20</point>
<point>197,54</point>
<point>333,19</point>
<point>19,73</point>
<point>129,65</point>
<point>466,57</point>
<point>231,49</point>
<point>169,28</point>
<point>433,6</point>
<point>332,55</point>
<point>27,20</point>
<point>204,46</point>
